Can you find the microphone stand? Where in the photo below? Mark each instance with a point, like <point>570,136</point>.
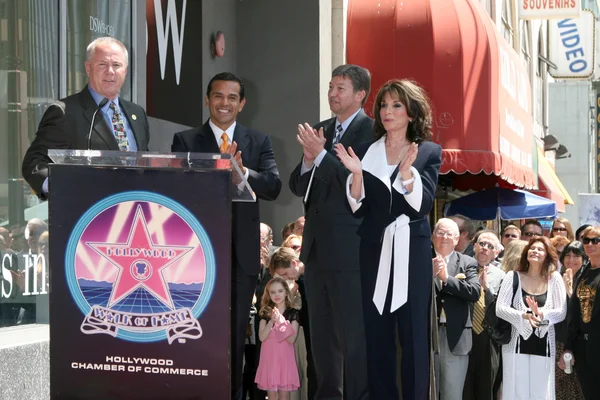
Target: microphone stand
<point>89,139</point>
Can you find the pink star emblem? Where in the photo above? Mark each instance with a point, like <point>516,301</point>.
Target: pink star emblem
<point>141,263</point>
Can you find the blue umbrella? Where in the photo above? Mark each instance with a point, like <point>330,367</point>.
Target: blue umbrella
<point>504,203</point>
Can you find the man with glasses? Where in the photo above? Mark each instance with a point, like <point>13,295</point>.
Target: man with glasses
<point>510,233</point>
<point>457,288</point>
<point>484,361</point>
<point>531,228</point>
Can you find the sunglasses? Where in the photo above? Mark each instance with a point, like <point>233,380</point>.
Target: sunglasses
<point>559,229</point>
<point>587,240</point>
<point>530,234</point>
<point>510,235</point>
<point>490,246</point>
<point>295,247</point>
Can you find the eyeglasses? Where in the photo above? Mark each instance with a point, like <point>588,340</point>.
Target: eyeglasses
<point>444,234</point>
<point>511,235</point>
<point>587,240</point>
<point>530,234</point>
<point>487,244</point>
<point>296,247</point>
<point>559,229</point>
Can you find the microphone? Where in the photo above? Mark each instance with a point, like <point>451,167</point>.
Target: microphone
<point>102,104</point>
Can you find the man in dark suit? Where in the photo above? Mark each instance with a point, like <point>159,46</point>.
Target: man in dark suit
<point>118,124</point>
<point>457,288</point>
<point>330,243</point>
<point>253,152</point>
<point>484,359</point>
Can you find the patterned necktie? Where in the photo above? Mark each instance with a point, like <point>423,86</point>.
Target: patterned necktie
<point>338,135</point>
<point>479,311</point>
<point>225,145</point>
<point>119,128</point>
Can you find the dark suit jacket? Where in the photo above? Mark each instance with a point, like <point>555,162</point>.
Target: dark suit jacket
<point>66,124</point>
<point>259,159</point>
<point>457,297</point>
<point>329,220</point>
<point>376,205</point>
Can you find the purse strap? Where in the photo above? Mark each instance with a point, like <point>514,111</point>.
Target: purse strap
<point>515,286</point>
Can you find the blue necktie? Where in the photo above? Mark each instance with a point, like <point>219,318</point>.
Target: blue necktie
<point>338,135</point>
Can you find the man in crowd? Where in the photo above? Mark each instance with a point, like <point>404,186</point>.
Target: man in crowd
<point>457,288</point>
<point>531,228</point>
<point>484,359</point>
<point>510,233</point>
<point>252,150</point>
<point>299,226</point>
<point>467,231</point>
<point>67,124</point>
<point>330,243</point>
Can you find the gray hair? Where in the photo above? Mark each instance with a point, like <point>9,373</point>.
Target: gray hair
<point>91,49</point>
<point>359,76</point>
<point>447,221</point>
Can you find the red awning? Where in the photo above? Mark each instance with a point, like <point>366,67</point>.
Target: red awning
<point>477,83</point>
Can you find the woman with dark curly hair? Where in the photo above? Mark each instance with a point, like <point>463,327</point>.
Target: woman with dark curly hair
<point>572,258</point>
<point>392,185</point>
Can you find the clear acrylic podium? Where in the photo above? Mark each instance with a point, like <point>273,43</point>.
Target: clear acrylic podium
<point>140,273</point>
<point>241,190</point>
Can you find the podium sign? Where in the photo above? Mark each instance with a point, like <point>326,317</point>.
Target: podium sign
<point>140,279</point>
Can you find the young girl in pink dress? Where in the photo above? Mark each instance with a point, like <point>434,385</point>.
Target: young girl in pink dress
<point>279,321</point>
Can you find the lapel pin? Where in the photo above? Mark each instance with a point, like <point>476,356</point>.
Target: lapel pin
<point>133,117</point>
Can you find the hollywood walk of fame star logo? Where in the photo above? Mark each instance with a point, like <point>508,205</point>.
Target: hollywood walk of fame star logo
<point>140,262</point>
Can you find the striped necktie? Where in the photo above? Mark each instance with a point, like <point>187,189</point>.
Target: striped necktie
<point>119,128</point>
<point>479,311</point>
<point>225,145</point>
<point>338,135</point>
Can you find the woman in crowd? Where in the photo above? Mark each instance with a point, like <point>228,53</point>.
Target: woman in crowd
<point>392,186</point>
<point>583,336</point>
<point>572,259</point>
<point>559,243</point>
<point>512,255</point>
<point>562,227</point>
<point>539,304</point>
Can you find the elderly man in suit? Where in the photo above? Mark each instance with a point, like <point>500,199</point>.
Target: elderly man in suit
<point>66,124</point>
<point>457,288</point>
<point>253,152</point>
<point>330,243</point>
<point>484,360</point>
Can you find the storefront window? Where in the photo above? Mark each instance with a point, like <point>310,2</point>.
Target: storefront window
<point>30,78</point>
<point>28,85</point>
<point>88,20</point>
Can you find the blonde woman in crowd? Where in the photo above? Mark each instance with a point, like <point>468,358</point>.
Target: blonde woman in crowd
<point>512,255</point>
<point>559,243</point>
<point>562,227</point>
<point>539,304</point>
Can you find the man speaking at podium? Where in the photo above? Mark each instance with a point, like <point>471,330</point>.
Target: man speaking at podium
<point>253,152</point>
<point>67,124</point>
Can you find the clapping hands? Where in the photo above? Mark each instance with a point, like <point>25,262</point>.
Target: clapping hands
<point>536,317</point>
<point>277,317</point>
<point>348,158</point>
